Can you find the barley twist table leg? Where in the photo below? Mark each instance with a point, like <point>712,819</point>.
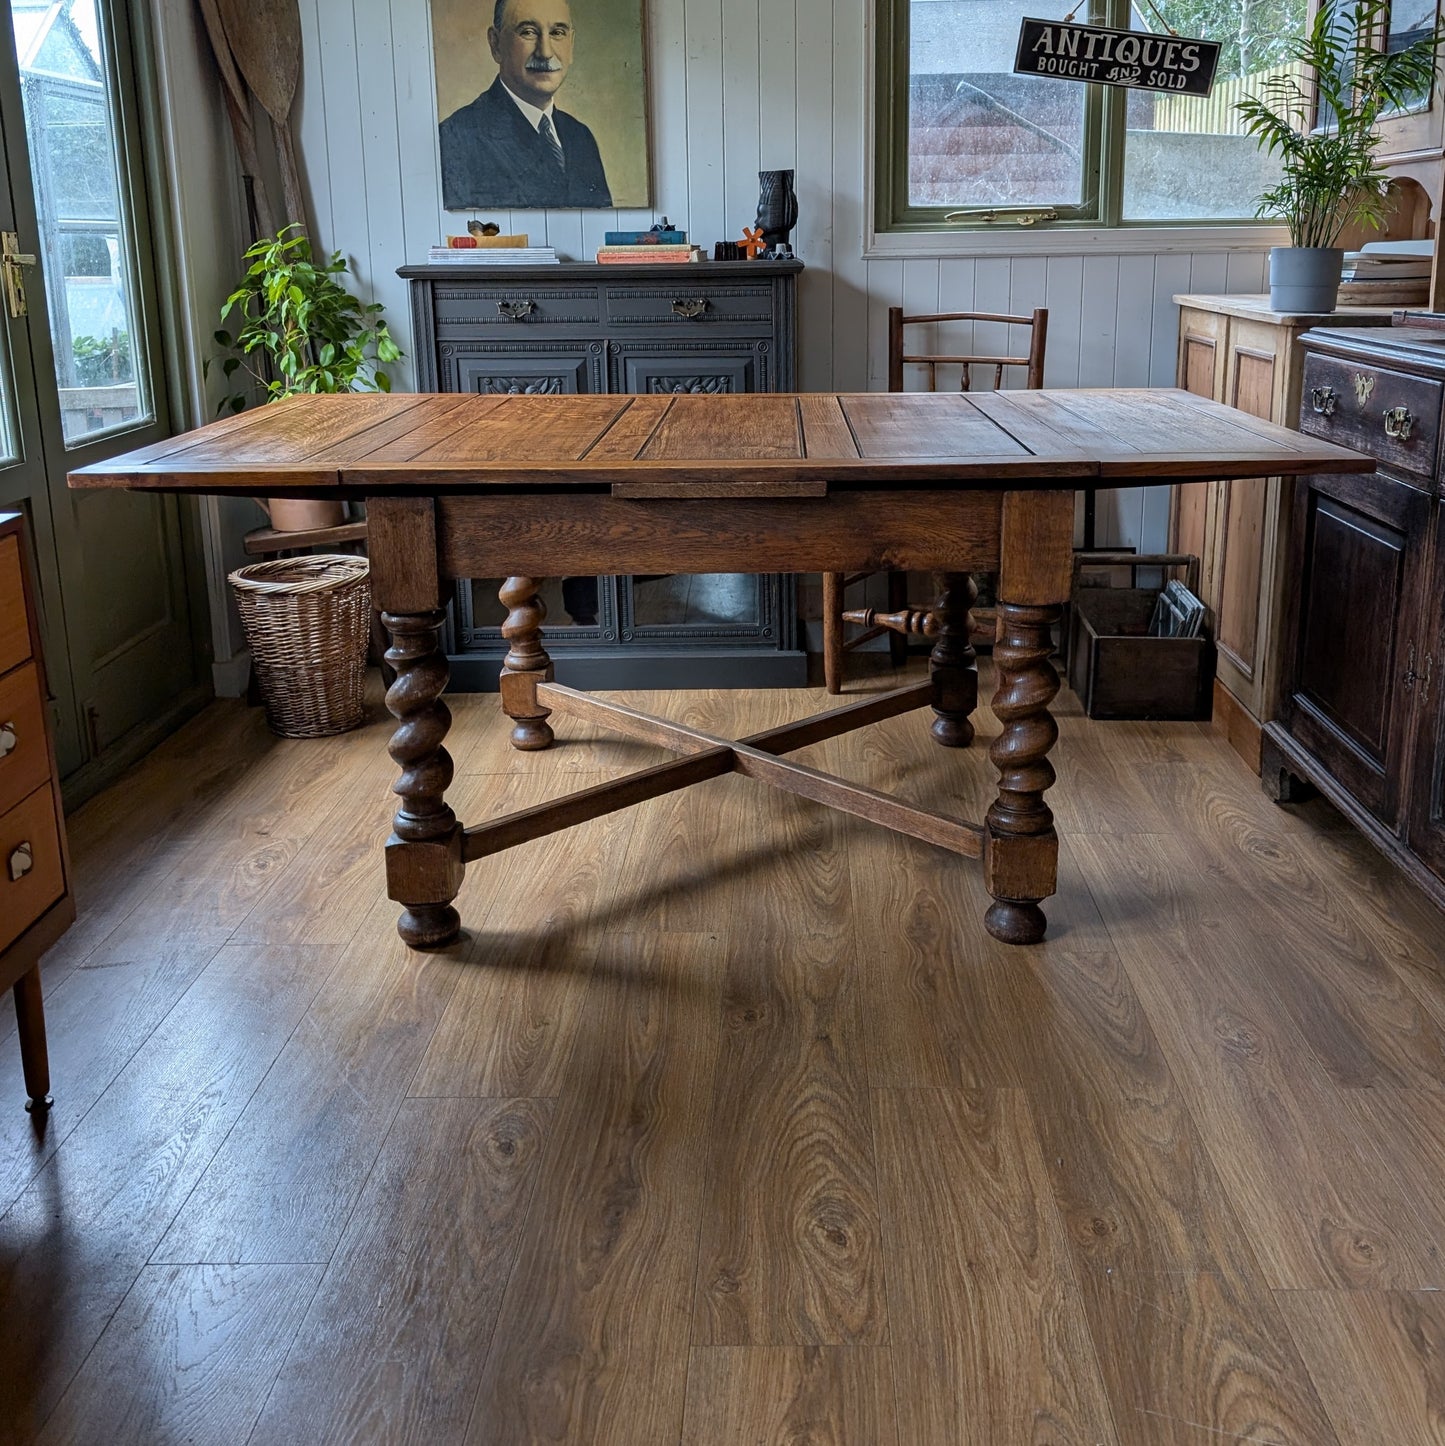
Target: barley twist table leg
<point>1021,848</point>
<point>424,854</point>
<point>526,663</point>
<point>953,663</point>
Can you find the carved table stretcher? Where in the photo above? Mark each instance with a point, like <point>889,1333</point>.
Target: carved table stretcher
<point>533,487</point>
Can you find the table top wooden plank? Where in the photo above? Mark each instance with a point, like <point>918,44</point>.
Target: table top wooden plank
<point>401,437</point>
<point>1165,422</point>
<point>301,433</point>
<point>826,432</point>
<point>629,434</point>
<point>749,427</point>
<point>523,430</point>
<point>1037,420</point>
<point>881,440</point>
<point>925,424</point>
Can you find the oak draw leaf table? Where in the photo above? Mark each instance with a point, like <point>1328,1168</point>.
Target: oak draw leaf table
<point>533,487</point>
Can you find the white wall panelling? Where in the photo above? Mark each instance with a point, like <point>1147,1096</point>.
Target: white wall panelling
<point>737,86</point>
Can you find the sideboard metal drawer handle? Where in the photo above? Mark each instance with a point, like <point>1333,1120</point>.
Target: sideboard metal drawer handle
<point>1323,400</point>
<point>21,862</point>
<point>516,310</point>
<point>691,307</point>
<point>8,740</point>
<point>1398,423</point>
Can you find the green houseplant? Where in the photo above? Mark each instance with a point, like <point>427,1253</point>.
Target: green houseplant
<point>296,328</point>
<point>1320,119</point>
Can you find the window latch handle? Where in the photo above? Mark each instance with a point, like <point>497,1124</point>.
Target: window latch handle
<point>12,262</point>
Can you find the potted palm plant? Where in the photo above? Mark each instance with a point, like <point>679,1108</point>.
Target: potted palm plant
<point>1319,117</point>
<point>298,329</point>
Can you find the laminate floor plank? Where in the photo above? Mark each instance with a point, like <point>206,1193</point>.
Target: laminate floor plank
<point>106,1014</point>
<point>987,1329</point>
<point>74,1242</point>
<point>1316,1199</point>
<point>189,1356</point>
<point>1335,969</point>
<point>510,1027</point>
<point>1378,1358</point>
<point>720,851</point>
<point>789,1250</point>
<point>285,1181</point>
<point>480,742</point>
<point>244,849</point>
<point>127,836</point>
<point>591,1344</point>
<point>1407,927</point>
<point>392,1347</point>
<point>1406,1131</point>
<point>1196,1355</point>
<point>781,1396</point>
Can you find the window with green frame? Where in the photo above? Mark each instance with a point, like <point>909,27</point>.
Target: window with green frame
<point>962,141</point>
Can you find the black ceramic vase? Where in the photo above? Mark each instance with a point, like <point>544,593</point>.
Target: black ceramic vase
<point>777,206</point>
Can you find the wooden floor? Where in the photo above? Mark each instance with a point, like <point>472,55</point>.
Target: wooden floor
<point>728,1124</point>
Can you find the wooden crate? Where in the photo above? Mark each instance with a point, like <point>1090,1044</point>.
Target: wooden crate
<point>1119,671</point>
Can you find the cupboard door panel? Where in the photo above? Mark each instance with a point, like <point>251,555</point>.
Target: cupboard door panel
<point>1360,542</point>
<point>1427,789</point>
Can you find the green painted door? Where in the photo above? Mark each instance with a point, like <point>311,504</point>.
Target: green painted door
<point>86,380</point>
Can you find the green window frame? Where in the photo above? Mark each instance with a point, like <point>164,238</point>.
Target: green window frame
<point>1103,149</point>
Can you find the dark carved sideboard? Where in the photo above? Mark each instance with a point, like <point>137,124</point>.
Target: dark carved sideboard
<point>1362,714</point>
<point>704,327</point>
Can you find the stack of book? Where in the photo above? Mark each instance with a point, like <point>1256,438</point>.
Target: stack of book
<point>1387,273</point>
<point>660,246</point>
<point>647,255</point>
<point>486,251</point>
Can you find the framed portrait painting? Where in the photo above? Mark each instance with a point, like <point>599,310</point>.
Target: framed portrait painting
<point>542,103</point>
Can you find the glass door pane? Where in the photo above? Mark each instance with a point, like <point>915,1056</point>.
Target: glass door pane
<point>85,241</point>
<point>979,135</point>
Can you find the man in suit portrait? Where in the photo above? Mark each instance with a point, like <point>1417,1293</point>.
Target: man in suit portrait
<point>512,146</point>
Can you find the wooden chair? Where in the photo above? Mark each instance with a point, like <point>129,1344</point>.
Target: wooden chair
<point>899,621</point>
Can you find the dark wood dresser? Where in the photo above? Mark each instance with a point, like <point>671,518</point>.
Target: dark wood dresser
<point>705,327</point>
<point>1362,713</point>
<point>36,906</point>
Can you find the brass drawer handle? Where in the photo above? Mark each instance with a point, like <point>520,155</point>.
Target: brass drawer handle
<point>1323,400</point>
<point>515,310</point>
<point>21,862</point>
<point>1411,676</point>
<point>691,307</point>
<point>8,740</point>
<point>1398,422</point>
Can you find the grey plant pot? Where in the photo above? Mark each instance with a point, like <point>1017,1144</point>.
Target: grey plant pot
<point>1305,278</point>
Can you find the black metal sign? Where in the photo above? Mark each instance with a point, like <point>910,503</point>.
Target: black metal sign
<point>1135,59</point>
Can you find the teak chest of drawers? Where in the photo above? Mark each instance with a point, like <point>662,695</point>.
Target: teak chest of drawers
<point>36,906</point>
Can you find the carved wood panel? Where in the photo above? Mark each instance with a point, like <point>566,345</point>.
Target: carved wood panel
<point>659,367</point>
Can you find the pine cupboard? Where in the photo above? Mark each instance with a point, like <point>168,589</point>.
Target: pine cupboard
<point>1234,349</point>
<point>36,906</point>
<point>1362,709</point>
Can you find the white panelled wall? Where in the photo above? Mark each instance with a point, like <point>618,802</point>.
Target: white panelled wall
<point>735,86</point>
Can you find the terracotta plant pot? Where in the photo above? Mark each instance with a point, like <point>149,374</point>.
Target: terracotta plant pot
<point>302,514</point>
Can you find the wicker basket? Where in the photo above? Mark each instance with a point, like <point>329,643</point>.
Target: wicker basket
<point>308,621</point>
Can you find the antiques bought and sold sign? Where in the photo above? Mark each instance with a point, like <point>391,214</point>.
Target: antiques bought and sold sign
<point>1062,50</point>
